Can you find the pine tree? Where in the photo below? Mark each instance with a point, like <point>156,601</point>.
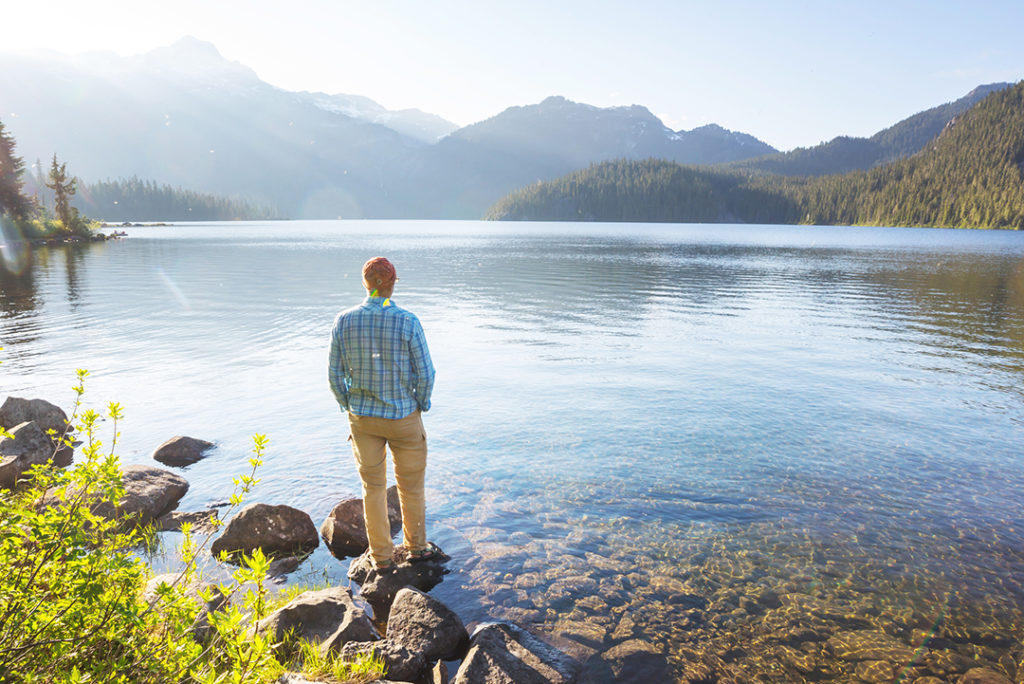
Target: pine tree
<point>12,201</point>
<point>63,190</point>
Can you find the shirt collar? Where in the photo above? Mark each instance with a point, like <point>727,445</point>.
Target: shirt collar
<point>378,301</point>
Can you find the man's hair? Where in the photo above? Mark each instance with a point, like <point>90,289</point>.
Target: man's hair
<point>379,272</point>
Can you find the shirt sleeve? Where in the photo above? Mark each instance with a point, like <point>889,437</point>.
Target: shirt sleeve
<point>336,368</point>
<point>422,367</point>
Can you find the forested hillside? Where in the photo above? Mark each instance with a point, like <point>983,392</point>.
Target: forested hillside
<point>133,199</point>
<point>969,176</point>
<point>846,153</point>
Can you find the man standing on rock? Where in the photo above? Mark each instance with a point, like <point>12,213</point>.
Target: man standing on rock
<point>381,375</point>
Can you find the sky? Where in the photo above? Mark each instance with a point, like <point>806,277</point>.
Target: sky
<point>792,73</point>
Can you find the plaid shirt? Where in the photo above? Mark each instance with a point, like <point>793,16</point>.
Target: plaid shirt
<point>379,364</point>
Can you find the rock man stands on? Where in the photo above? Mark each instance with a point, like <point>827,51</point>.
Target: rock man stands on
<point>381,374</point>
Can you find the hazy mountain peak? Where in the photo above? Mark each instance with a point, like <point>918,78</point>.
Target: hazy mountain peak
<point>195,57</point>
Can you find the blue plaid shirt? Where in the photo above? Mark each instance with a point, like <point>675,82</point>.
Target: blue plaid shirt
<point>380,365</point>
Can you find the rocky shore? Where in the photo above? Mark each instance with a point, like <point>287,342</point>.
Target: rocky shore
<point>703,610</point>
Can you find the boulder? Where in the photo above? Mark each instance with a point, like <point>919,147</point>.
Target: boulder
<point>149,493</point>
<point>30,446</point>
<point>344,531</point>
<point>181,451</point>
<point>983,675</point>
<point>636,661</point>
<point>502,653</point>
<point>201,628</point>
<point>47,416</point>
<point>278,530</point>
<point>202,522</point>
<point>400,663</point>
<point>319,616</point>
<point>279,567</point>
<point>423,624</point>
<point>380,588</point>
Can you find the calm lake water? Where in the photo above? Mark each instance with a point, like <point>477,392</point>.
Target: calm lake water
<point>703,437</point>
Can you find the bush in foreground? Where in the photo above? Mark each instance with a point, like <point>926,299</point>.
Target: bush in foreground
<point>71,593</point>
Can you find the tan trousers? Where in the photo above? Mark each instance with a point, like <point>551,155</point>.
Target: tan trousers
<point>408,442</point>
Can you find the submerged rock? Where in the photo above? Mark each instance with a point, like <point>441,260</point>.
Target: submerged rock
<point>278,530</point>
<point>502,653</point>
<point>344,530</point>
<point>181,451</point>
<point>202,522</point>
<point>982,675</point>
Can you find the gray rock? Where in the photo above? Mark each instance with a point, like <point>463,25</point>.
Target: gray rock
<point>400,663</point>
<point>503,653</point>
<point>344,530</point>
<point>149,493</point>
<point>296,678</point>
<point>181,451</point>
<point>30,447</point>
<point>319,616</point>
<point>201,521</point>
<point>422,623</point>
<point>201,628</point>
<point>278,530</point>
<point>983,675</point>
<point>282,566</point>
<point>636,661</point>
<point>380,589</point>
<point>47,416</point>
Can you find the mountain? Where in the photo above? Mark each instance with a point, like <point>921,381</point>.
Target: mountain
<point>970,175</point>
<point>473,167</point>
<point>186,117</point>
<point>845,153</point>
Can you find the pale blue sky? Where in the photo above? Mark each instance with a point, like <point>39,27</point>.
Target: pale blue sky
<point>791,73</point>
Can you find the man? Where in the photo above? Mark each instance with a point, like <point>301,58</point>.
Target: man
<point>381,374</point>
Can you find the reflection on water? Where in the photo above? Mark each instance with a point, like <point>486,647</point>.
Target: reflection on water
<point>775,454</point>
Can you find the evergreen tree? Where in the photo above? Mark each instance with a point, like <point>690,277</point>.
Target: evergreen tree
<point>12,200</point>
<point>63,189</point>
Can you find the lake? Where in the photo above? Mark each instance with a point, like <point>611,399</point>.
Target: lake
<point>772,453</point>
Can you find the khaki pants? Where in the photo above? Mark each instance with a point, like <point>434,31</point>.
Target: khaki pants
<point>408,442</point>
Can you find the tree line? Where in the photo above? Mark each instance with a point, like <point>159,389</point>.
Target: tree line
<point>970,176</point>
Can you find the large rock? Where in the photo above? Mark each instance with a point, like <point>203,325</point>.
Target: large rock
<point>321,615</point>
<point>400,663</point>
<point>422,623</point>
<point>47,416</point>
<point>30,447</point>
<point>380,588</point>
<point>502,653</point>
<point>344,530</point>
<point>181,451</point>
<point>278,530</point>
<point>149,493</point>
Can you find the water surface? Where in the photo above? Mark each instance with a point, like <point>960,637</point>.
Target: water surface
<point>702,437</point>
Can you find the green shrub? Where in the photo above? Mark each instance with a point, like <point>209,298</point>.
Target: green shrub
<point>71,590</point>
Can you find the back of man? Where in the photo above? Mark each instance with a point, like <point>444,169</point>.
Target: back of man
<point>381,374</point>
